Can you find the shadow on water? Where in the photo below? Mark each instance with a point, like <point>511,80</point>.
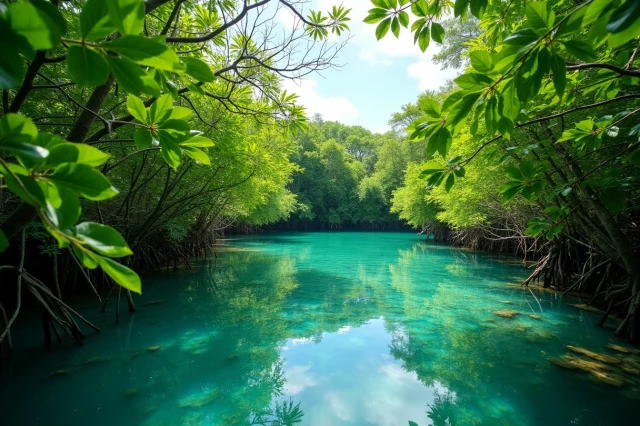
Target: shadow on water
<point>353,329</point>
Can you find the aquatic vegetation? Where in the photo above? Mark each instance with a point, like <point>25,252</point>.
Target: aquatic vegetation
<point>131,392</point>
<point>507,314</point>
<point>623,349</point>
<point>576,363</point>
<point>535,317</point>
<point>608,378</point>
<point>599,357</point>
<point>199,400</point>
<point>57,373</point>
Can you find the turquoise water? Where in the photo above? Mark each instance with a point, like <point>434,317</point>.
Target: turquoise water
<point>323,329</point>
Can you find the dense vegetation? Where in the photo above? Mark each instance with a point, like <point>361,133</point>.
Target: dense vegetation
<point>154,124</point>
<point>537,148</point>
<point>345,177</point>
<point>159,124</point>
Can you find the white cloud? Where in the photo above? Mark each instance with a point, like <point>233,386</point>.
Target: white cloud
<point>331,108</point>
<point>344,329</point>
<point>429,75</point>
<point>374,52</point>
<point>287,18</point>
<point>298,378</point>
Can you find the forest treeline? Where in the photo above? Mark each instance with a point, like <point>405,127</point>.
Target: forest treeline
<point>134,133</point>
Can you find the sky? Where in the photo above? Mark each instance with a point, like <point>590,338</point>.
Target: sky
<point>376,77</point>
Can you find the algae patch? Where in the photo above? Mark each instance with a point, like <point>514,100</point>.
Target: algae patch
<point>594,355</point>
<point>507,314</point>
<point>199,400</point>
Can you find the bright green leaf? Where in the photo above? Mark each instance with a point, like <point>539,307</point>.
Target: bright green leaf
<point>199,70</point>
<point>67,152</point>
<point>197,154</point>
<point>127,15</point>
<point>103,239</point>
<point>121,274</point>
<point>85,180</point>
<point>86,66</point>
<point>437,32</point>
<point>95,21</point>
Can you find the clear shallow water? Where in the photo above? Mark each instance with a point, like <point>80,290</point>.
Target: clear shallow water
<point>327,328</point>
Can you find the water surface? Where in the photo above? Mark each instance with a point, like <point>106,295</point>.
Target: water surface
<point>323,329</point>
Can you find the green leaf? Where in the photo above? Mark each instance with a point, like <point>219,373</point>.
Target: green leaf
<point>580,49</point>
<point>33,194</point>
<point>461,109</point>
<point>625,17</point>
<point>395,27</point>
<point>86,66</point>
<point>103,239</point>
<point>478,7</point>
<point>375,15</point>
<point>460,7</point>
<point>449,183</point>
<point>459,171</point>
<point>198,141</point>
<point>419,8</point>
<point>424,37</point>
<point>613,199</point>
<point>136,107</point>
<point>624,24</point>
<point>95,21</point>
<point>509,190</point>
<point>522,38</point>
<point>180,113</point>
<point>473,81</point>
<point>383,28</point>
<point>18,128</point>
<point>121,274</point>
<point>62,205</point>
<point>418,24</point>
<point>127,15</point>
<point>199,70</point>
<point>430,107</point>
<point>175,126</point>
<point>17,136</point>
<point>12,67</point>
<point>403,18</point>
<point>481,61</point>
<point>143,138</point>
<point>161,109</point>
<point>198,155</point>
<point>559,70</point>
<point>4,242</point>
<point>146,51</point>
<point>430,168</point>
<point>171,152</point>
<point>87,258</point>
<point>410,422</point>
<point>510,103</point>
<point>437,32</point>
<point>540,16</point>
<point>38,21</point>
<point>440,141</point>
<point>67,152</point>
<point>23,149</point>
<point>128,75</point>
<point>85,180</point>
<point>491,116</point>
